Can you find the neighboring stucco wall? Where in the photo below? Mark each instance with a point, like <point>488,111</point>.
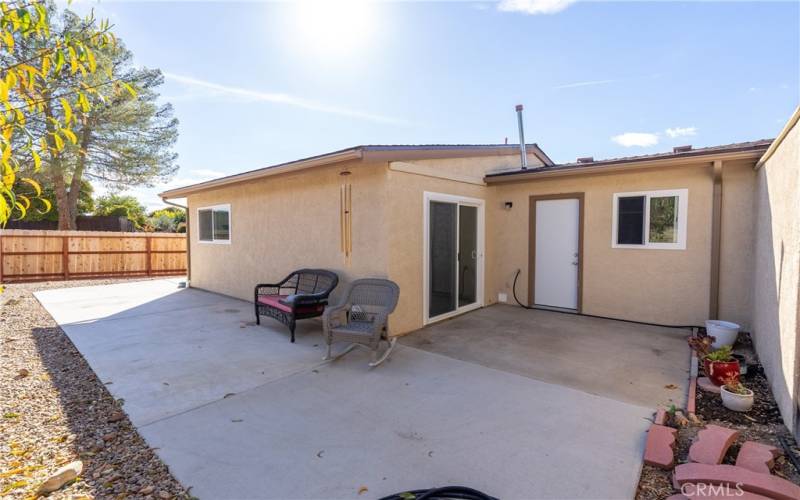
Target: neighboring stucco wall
<point>662,286</point>
<point>290,221</point>
<point>776,277</point>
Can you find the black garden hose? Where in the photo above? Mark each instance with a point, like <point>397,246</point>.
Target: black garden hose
<point>446,492</point>
<point>514,291</point>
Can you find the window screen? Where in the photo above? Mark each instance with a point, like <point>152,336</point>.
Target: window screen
<point>205,222</point>
<point>221,225</point>
<point>663,219</point>
<point>630,223</point>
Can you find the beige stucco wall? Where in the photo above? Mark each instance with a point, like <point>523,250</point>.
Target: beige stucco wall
<point>737,244</point>
<point>290,221</point>
<point>662,286</point>
<point>284,222</point>
<point>776,276</point>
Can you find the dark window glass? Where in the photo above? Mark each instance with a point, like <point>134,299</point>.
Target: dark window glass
<point>221,227</point>
<point>205,223</point>
<point>630,220</point>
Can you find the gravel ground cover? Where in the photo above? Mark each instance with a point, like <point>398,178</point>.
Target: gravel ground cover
<point>762,424</point>
<point>56,411</point>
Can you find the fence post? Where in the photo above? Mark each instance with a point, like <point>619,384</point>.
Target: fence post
<point>149,260</point>
<point>65,256</point>
<point>1,260</point>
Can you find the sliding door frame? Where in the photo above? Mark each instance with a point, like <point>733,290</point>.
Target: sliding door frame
<point>478,203</point>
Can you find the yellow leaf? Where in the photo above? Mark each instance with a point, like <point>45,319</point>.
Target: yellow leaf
<point>9,177</point>
<point>25,200</point>
<point>73,61</point>
<point>47,205</point>
<point>35,185</point>
<point>45,65</point>
<point>67,111</point>
<point>37,161</point>
<point>59,142</point>
<point>92,61</point>
<point>130,89</point>
<point>69,135</point>
<point>22,210</point>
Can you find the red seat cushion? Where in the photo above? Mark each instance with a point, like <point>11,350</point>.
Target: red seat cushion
<point>275,301</point>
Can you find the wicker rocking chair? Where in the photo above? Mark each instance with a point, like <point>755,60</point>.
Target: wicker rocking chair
<point>361,318</point>
<point>303,294</point>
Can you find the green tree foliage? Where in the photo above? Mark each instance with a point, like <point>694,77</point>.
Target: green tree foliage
<point>168,220</point>
<point>121,139</point>
<point>122,206</point>
<point>50,78</point>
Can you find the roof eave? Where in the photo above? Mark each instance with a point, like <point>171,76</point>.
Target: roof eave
<point>317,161</point>
<point>601,168</point>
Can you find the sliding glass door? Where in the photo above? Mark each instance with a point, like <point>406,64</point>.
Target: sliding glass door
<point>453,255</point>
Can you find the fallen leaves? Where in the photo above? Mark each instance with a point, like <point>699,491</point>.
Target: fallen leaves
<point>22,373</point>
<point>116,417</point>
<point>363,490</point>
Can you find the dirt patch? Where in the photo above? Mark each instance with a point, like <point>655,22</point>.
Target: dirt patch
<point>55,410</point>
<point>762,424</point>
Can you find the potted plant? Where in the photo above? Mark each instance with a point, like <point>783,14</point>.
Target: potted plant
<point>735,396</point>
<point>720,366</point>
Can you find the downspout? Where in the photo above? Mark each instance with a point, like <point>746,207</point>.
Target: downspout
<point>716,237</point>
<point>188,240</point>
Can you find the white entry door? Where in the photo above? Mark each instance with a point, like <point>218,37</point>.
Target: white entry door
<point>557,253</point>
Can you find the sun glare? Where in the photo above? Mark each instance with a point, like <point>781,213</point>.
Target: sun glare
<point>334,26</point>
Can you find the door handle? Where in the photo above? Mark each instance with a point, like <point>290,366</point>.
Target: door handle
<point>474,255</point>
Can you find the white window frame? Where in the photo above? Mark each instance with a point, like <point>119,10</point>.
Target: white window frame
<point>683,206</point>
<point>226,207</point>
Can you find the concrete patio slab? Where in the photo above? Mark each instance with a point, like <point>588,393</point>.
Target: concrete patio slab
<point>166,350</point>
<point>294,427</point>
<point>638,364</point>
<point>421,420</point>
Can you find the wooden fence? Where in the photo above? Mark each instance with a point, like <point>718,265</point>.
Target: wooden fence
<point>65,255</point>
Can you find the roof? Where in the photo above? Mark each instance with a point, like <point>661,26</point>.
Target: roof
<point>746,149</point>
<point>368,152</point>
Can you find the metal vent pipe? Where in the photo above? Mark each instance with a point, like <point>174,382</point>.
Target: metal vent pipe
<point>522,152</point>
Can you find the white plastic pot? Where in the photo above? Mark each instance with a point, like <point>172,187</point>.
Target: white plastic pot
<point>736,402</point>
<point>724,332</point>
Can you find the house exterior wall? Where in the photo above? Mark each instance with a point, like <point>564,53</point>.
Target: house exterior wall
<point>737,244</point>
<point>292,221</point>
<point>660,286</point>
<point>776,276</point>
<point>405,220</point>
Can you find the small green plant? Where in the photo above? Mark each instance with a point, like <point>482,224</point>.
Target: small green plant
<point>733,385</point>
<point>723,354</point>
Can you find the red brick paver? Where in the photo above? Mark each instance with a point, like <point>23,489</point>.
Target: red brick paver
<point>731,475</point>
<point>711,444</point>
<point>660,448</point>
<point>661,417</point>
<point>757,457</point>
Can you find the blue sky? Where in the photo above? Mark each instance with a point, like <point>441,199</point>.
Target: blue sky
<point>260,83</point>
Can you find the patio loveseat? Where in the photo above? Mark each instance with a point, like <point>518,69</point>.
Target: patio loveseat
<point>303,294</point>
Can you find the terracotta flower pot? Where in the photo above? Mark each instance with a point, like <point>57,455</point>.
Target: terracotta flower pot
<point>720,371</point>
